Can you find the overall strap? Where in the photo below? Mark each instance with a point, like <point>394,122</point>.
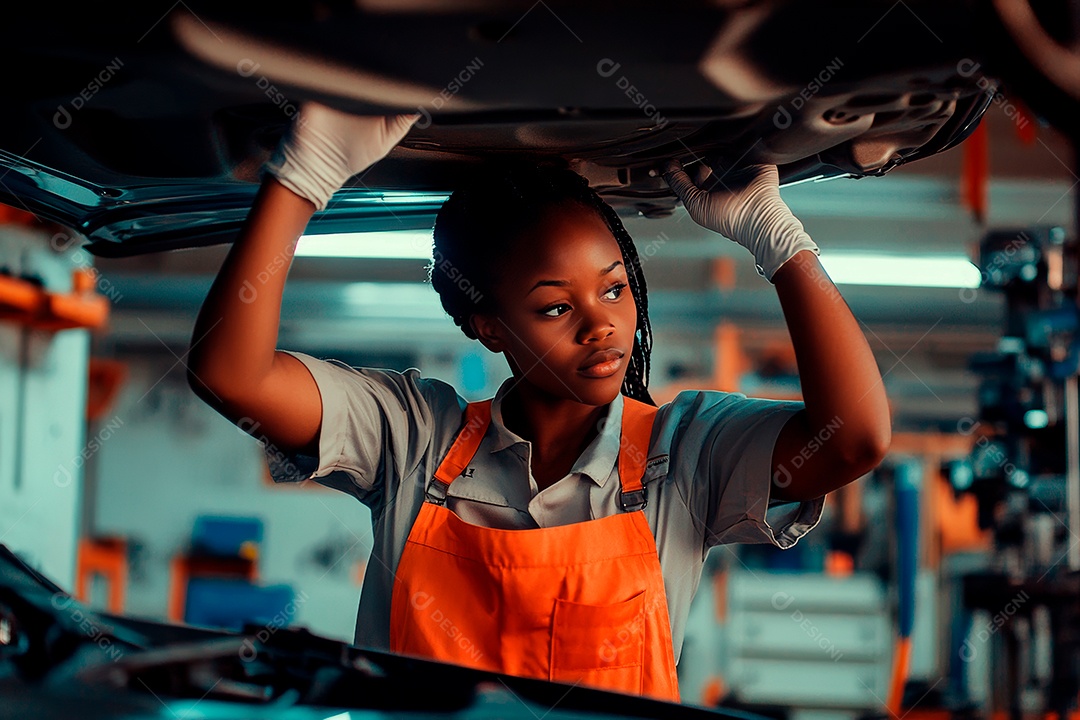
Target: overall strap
<point>476,420</point>
<point>637,424</point>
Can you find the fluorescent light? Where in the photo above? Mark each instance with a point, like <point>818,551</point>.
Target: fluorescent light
<point>845,268</point>
<point>861,268</point>
<point>415,301</point>
<point>405,244</point>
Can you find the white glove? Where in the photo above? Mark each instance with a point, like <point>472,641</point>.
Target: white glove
<point>325,147</point>
<point>751,214</point>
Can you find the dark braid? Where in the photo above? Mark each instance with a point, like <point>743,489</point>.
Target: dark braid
<point>500,202</point>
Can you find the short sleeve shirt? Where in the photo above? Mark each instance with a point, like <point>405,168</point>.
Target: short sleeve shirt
<point>708,476</point>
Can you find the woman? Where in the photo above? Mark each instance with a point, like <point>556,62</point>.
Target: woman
<point>557,530</point>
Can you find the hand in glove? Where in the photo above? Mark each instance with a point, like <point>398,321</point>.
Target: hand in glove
<point>325,147</point>
<point>751,214</point>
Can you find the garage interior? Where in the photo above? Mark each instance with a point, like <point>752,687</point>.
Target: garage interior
<point>945,583</point>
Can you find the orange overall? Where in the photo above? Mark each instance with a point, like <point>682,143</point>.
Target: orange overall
<point>581,603</point>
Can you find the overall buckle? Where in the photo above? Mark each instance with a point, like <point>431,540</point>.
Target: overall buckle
<point>634,500</point>
<point>436,491</point>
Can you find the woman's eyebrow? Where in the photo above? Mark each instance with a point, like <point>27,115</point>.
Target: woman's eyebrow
<point>564,283</point>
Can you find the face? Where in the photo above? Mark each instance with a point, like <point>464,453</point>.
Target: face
<point>565,315</point>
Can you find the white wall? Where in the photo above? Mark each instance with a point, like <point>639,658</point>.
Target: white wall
<point>42,410</point>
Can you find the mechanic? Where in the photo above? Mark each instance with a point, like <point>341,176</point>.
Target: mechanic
<point>557,530</point>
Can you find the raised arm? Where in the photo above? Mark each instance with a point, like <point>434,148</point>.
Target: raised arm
<point>233,364</point>
<point>845,429</point>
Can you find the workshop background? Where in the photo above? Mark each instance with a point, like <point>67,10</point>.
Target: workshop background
<point>159,508</point>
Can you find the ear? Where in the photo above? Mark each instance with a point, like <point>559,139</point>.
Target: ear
<point>489,331</point>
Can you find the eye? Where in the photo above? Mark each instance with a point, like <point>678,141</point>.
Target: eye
<point>614,293</point>
<point>617,289</point>
<point>548,311</point>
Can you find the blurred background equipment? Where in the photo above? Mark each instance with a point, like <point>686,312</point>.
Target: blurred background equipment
<point>214,584</point>
<point>1024,472</point>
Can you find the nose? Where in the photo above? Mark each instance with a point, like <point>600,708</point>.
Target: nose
<point>596,324</point>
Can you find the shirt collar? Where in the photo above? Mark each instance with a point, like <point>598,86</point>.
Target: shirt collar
<point>598,459</point>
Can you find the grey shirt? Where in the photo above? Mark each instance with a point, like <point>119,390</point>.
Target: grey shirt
<point>709,475</point>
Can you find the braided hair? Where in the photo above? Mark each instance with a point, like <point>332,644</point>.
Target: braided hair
<point>501,201</point>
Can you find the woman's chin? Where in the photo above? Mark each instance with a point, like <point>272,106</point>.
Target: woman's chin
<point>598,391</point>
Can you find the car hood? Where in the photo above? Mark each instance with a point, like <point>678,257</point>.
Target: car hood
<point>145,131</point>
<point>62,659</point>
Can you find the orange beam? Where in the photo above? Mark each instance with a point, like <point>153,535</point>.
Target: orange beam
<point>27,303</point>
<point>106,557</point>
<point>730,363</point>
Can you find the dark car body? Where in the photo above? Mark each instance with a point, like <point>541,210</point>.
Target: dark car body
<point>145,128</point>
<point>61,659</point>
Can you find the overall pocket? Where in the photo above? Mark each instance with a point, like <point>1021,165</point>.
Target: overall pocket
<point>599,645</point>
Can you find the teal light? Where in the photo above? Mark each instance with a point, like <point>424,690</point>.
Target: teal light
<point>1036,419</point>
<point>865,268</point>
<point>401,244</point>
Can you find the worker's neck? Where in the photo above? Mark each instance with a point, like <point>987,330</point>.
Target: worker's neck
<point>557,428</point>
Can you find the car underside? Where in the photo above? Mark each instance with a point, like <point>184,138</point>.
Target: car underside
<point>145,131</point>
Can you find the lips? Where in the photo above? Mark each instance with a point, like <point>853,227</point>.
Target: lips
<point>601,357</point>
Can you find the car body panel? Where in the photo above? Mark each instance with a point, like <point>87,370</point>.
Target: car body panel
<point>148,133</point>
